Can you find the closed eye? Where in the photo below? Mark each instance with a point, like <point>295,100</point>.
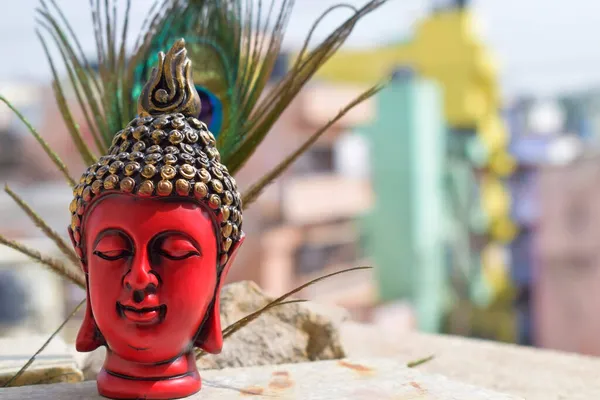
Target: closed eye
<point>176,246</point>
<point>113,245</point>
<point>178,254</point>
<point>113,255</point>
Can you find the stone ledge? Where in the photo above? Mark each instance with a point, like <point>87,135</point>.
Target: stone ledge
<point>531,373</point>
<point>345,379</point>
<point>55,364</point>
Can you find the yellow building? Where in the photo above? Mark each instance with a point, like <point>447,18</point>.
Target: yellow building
<point>447,49</point>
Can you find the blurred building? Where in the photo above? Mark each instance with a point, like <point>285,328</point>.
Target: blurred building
<point>447,49</point>
<point>305,224</point>
<point>567,269</point>
<point>555,200</point>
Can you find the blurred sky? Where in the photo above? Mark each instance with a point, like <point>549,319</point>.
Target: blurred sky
<point>543,46</point>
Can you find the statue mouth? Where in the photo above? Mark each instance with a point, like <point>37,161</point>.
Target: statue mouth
<point>142,316</point>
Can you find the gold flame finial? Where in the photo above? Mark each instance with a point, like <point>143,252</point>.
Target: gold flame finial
<point>170,88</point>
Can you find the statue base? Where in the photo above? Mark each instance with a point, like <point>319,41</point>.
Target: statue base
<point>121,379</point>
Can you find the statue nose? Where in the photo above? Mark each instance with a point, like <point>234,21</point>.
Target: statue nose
<point>140,278</point>
<point>138,296</point>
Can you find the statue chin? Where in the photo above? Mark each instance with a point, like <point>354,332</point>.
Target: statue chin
<point>139,351</point>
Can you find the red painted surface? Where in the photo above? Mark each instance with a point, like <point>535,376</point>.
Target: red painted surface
<point>152,277</point>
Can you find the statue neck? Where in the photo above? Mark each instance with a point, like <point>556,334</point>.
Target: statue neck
<point>115,365</point>
<point>123,379</point>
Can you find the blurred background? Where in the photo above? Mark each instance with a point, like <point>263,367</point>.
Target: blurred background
<point>470,183</point>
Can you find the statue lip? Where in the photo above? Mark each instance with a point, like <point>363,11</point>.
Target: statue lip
<point>142,316</point>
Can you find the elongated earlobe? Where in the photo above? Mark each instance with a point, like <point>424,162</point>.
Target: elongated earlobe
<point>88,338</point>
<point>212,340</point>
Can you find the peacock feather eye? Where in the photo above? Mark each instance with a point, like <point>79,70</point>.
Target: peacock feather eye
<point>211,112</point>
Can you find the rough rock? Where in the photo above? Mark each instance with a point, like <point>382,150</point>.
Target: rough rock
<point>290,333</point>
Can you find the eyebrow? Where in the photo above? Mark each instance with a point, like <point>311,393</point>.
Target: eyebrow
<point>111,232</point>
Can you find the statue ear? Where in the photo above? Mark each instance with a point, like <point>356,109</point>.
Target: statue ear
<point>88,338</point>
<point>212,339</point>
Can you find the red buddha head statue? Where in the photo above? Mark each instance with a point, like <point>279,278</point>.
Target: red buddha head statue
<point>156,224</point>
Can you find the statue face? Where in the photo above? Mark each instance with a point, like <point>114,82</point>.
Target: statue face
<point>152,274</point>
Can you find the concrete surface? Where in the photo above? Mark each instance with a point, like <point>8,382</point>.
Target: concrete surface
<point>531,373</point>
<point>359,379</point>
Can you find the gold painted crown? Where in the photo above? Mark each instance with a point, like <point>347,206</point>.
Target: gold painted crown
<point>165,151</point>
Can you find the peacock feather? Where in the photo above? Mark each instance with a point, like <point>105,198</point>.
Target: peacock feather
<point>233,45</point>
